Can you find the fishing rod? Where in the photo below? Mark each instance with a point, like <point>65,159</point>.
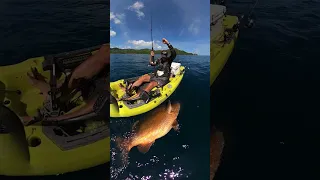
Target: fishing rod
<point>152,39</point>
<point>253,7</point>
<point>151,34</point>
<point>249,20</point>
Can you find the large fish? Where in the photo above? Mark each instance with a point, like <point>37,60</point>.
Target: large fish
<point>155,125</point>
<point>216,148</point>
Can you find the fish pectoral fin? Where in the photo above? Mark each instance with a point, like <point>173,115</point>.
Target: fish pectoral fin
<point>144,148</point>
<point>175,125</point>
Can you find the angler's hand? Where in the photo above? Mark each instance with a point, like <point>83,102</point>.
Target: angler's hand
<point>152,53</point>
<point>165,41</point>
<point>91,66</point>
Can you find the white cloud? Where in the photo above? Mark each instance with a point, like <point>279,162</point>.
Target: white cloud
<point>116,18</point>
<point>141,44</point>
<point>136,7</point>
<point>194,26</point>
<point>112,33</point>
<point>122,47</point>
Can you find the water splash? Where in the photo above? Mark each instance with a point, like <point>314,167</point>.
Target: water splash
<point>185,146</point>
<point>173,174</point>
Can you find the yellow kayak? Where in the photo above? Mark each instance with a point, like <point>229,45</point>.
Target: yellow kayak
<point>40,149</point>
<point>128,109</point>
<point>220,52</point>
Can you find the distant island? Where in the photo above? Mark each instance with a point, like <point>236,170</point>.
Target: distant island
<point>145,51</point>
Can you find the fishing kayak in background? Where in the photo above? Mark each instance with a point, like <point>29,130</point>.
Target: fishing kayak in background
<point>41,148</point>
<point>158,95</point>
<point>223,33</point>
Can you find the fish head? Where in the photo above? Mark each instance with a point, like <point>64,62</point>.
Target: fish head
<point>173,109</point>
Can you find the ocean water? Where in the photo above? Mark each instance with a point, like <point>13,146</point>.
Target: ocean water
<point>32,28</point>
<point>267,96</point>
<point>177,155</point>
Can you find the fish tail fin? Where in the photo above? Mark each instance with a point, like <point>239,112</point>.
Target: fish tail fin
<point>123,145</point>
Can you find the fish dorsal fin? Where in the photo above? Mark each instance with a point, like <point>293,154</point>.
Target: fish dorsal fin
<point>169,107</point>
<point>144,148</point>
<point>134,126</point>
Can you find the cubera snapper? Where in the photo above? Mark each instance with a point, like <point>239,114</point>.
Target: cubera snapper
<point>155,125</point>
<point>216,148</point>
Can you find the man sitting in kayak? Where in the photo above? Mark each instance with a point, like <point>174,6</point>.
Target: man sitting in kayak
<point>86,70</point>
<point>158,78</point>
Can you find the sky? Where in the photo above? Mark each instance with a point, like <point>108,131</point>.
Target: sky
<point>184,23</point>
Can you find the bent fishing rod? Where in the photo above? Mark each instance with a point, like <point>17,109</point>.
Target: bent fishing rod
<point>151,34</point>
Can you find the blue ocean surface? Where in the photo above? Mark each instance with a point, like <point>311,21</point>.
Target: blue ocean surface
<point>178,155</point>
<point>266,100</point>
<point>32,28</point>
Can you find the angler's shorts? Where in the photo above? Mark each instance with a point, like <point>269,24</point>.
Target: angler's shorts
<point>161,80</point>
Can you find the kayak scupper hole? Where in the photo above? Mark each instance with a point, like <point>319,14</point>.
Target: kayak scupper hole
<point>120,106</point>
<point>6,102</point>
<point>34,141</point>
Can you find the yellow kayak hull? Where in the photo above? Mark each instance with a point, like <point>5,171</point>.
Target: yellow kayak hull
<point>121,109</point>
<point>221,54</point>
<point>22,156</point>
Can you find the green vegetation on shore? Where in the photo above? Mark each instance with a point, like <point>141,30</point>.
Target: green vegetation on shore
<point>144,51</point>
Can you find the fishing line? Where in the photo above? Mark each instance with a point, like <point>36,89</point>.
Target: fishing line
<point>253,7</point>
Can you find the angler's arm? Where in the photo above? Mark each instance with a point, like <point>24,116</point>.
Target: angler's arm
<point>173,52</point>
